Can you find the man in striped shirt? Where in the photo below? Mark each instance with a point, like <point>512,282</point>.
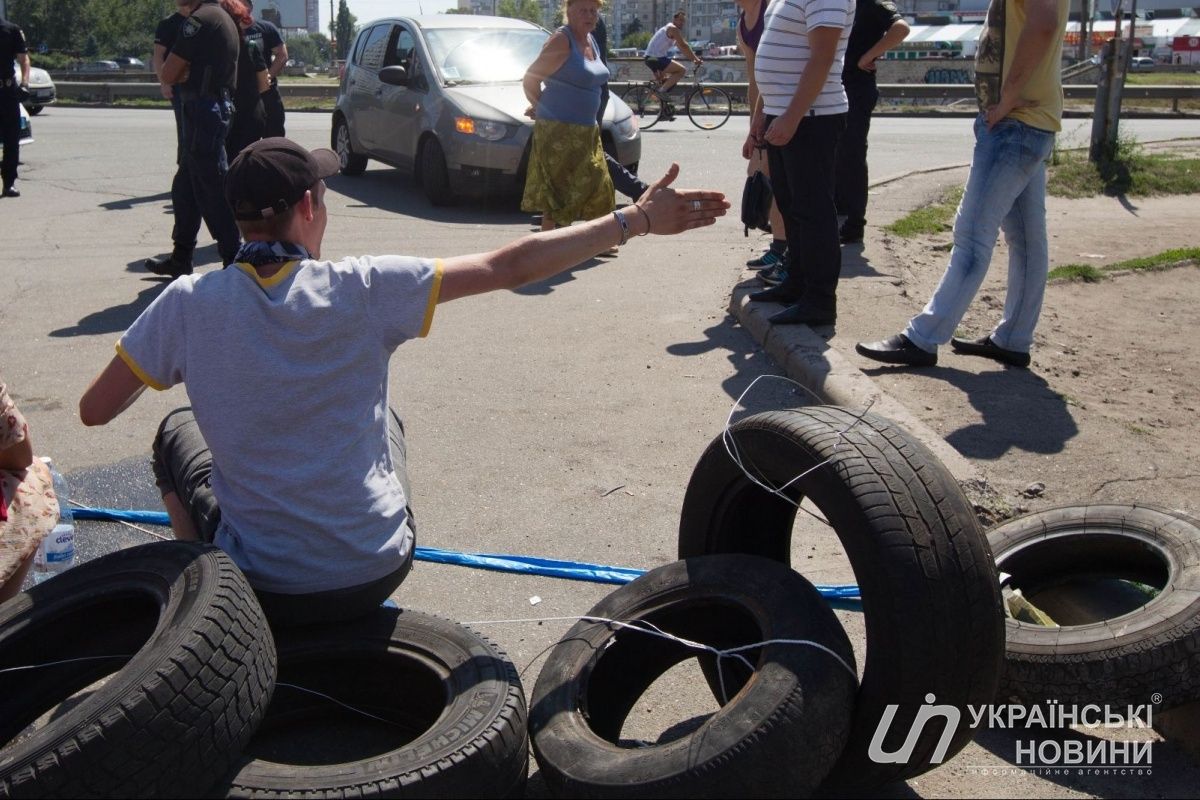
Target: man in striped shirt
<point>800,114</point>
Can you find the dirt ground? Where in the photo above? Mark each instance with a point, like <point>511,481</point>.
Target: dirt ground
<point>1107,411</point>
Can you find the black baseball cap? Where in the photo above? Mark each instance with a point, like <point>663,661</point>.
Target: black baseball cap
<point>272,175</point>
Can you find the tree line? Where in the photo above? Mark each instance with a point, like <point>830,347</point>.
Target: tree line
<point>62,31</point>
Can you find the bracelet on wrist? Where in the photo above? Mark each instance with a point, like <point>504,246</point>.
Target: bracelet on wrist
<point>624,226</point>
<point>647,216</point>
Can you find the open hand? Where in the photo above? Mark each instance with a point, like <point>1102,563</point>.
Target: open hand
<point>675,210</point>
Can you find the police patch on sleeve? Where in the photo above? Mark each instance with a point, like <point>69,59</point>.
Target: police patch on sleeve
<point>191,27</point>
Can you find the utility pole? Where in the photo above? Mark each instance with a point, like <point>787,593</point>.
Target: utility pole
<point>1114,65</point>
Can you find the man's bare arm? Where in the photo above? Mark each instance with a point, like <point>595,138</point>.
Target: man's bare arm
<point>822,44</point>
<point>280,55</point>
<point>111,392</point>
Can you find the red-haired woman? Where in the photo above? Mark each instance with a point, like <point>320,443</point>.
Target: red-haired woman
<point>249,114</point>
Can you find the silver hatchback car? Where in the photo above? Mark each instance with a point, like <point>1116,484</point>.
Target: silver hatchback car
<point>440,97</point>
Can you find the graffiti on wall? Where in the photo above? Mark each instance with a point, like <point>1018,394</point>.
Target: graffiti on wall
<point>943,75</point>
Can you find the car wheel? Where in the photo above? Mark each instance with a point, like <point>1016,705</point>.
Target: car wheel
<point>930,595</point>
<point>157,666</point>
<point>393,704</point>
<point>1122,585</point>
<point>434,176</point>
<point>776,737</point>
<point>34,110</point>
<point>351,162</point>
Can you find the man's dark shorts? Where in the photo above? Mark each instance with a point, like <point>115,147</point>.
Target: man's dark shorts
<point>183,465</point>
<point>658,64</point>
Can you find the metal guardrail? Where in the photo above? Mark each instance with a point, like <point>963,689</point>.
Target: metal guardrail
<point>107,92</point>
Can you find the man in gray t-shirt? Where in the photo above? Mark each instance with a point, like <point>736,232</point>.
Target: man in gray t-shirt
<point>290,458</point>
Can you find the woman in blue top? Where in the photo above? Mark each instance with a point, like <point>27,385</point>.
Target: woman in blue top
<point>567,179</point>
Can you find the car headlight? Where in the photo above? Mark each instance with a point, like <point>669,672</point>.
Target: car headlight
<point>483,128</point>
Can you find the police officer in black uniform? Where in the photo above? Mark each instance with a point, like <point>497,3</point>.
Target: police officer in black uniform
<point>202,66</point>
<point>164,39</point>
<point>276,54</point>
<point>13,89</point>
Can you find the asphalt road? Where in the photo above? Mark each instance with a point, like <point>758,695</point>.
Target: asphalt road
<point>562,419</point>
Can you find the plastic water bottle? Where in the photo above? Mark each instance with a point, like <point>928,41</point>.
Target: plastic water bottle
<point>57,551</point>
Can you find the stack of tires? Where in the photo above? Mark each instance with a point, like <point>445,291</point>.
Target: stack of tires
<point>795,718</point>
<point>151,672</point>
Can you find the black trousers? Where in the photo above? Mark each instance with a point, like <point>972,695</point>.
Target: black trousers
<point>10,125</point>
<point>852,179</point>
<point>273,106</point>
<point>201,176</point>
<point>802,175</point>
<point>249,124</point>
<point>183,464</point>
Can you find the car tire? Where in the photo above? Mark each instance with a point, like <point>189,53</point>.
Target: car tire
<point>351,162</point>
<point>34,110</point>
<point>168,719</point>
<point>454,701</point>
<point>930,596</point>
<point>777,737</point>
<point>435,178</point>
<point>1152,649</point>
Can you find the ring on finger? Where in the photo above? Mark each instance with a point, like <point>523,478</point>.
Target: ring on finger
<point>695,205</point>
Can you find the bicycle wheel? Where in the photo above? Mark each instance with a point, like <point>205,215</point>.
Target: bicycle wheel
<point>709,107</point>
<point>646,106</point>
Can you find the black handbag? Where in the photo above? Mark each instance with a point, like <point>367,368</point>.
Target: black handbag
<point>756,203</point>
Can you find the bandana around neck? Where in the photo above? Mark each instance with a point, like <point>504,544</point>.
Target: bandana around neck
<point>258,254</point>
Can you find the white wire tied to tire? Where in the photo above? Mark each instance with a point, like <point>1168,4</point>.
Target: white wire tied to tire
<point>780,491</point>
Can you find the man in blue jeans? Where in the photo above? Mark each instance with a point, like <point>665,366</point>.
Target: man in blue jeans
<point>1020,101</point>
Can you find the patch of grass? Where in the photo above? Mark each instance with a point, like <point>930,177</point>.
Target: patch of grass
<point>1162,78</point>
<point>1092,274</point>
<point>933,218</point>
<point>1128,170</point>
<point>1076,272</point>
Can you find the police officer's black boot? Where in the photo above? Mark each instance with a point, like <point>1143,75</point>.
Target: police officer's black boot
<point>174,265</point>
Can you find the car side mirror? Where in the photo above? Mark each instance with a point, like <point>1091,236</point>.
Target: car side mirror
<point>395,75</point>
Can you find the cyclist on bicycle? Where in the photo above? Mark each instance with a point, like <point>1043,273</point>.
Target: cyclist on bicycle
<point>666,71</point>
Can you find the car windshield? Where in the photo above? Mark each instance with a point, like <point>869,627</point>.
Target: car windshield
<point>475,55</point>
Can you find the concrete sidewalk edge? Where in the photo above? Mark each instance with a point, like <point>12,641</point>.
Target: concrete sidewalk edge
<point>810,360</point>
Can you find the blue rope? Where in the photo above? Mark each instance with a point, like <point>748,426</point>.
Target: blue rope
<point>498,562</point>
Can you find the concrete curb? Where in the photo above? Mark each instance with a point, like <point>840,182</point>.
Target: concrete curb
<point>808,359</point>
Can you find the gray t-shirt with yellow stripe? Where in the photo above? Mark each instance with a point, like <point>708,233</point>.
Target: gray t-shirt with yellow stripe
<point>288,379</point>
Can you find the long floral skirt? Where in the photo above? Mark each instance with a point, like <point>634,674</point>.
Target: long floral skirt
<point>567,178</point>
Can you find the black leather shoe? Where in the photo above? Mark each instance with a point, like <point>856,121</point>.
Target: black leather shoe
<point>775,294</point>
<point>897,349</point>
<point>172,266</point>
<point>988,349</point>
<point>850,236</point>
<point>799,315</point>
<point>11,190</point>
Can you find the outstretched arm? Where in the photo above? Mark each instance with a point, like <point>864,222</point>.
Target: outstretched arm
<point>111,392</point>
<point>661,210</point>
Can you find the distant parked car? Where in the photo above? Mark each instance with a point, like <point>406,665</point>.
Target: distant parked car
<point>1141,64</point>
<point>41,89</point>
<point>99,67</point>
<point>131,64</point>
